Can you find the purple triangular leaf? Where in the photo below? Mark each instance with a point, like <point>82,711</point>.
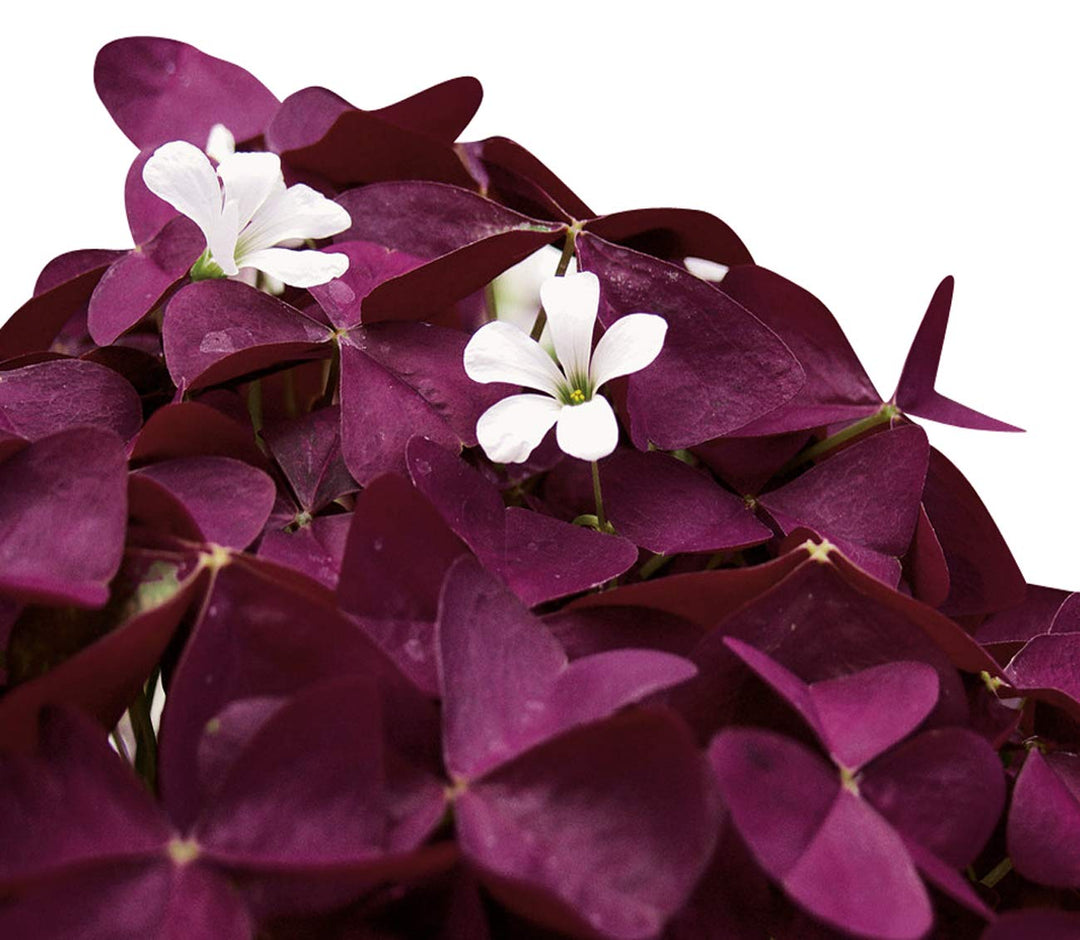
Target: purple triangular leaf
<point>369,266</point>
<point>404,379</point>
<point>508,172</point>
<point>364,147</point>
<point>830,852</point>
<point>315,547</point>
<point>943,789</point>
<point>983,576</point>
<point>837,387</point>
<point>217,330</point>
<point>857,716</point>
<point>1044,821</point>
<point>74,802</point>
<point>41,399</point>
<point>867,494</point>
<point>663,505</point>
<point>190,429</point>
<point>464,239</point>
<point>507,684</point>
<point>1048,667</point>
<point>135,283</point>
<point>720,367</point>
<point>63,514</point>
<point>613,824</point>
<point>63,289</point>
<point>1038,614</point>
<point>308,450</point>
<point>103,678</point>
<point>541,558</point>
<point>230,501</point>
<point>915,393</point>
<point>672,234</point>
<point>160,89</point>
<point>1035,924</point>
<point>262,631</point>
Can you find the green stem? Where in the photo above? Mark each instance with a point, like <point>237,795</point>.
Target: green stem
<point>145,742</point>
<point>564,263</point>
<point>652,566</point>
<point>998,872</point>
<point>886,413</point>
<point>254,403</point>
<point>600,517</point>
<point>333,378</point>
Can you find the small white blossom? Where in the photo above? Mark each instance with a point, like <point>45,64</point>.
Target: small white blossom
<point>585,424</point>
<point>245,212</point>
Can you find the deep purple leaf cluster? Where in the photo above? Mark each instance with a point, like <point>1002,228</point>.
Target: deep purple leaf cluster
<point>797,686</point>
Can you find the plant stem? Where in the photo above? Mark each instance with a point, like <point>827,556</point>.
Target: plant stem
<point>560,271</point>
<point>886,413</point>
<point>600,517</point>
<point>254,403</point>
<point>998,872</point>
<point>652,566</point>
<point>145,742</point>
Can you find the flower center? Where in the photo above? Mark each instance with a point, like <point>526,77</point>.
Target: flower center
<point>577,396</point>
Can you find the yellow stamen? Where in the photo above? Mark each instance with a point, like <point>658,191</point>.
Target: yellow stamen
<point>577,396</point>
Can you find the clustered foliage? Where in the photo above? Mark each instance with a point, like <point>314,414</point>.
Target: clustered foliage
<point>796,688</point>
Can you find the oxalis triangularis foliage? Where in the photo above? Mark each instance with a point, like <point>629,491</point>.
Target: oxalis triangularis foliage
<point>642,616</point>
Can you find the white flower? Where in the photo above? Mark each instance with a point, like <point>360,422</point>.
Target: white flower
<point>244,211</point>
<point>585,425</point>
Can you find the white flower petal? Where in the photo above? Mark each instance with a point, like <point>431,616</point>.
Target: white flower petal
<point>628,345</point>
<point>511,429</point>
<point>571,303</point>
<point>589,430</point>
<point>249,180</point>
<point>297,268</point>
<point>705,269</point>
<point>181,174</point>
<point>222,240</point>
<point>500,352</point>
<point>220,144</point>
<point>297,212</point>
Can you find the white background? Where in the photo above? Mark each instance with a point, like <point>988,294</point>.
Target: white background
<point>864,150</point>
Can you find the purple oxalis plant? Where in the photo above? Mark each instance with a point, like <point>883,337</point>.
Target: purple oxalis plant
<point>334,603</point>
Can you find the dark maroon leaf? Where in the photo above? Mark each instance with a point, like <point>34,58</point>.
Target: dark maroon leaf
<point>314,547</point>
<point>63,512</point>
<point>262,631</point>
<point>308,450</point>
<point>837,387</point>
<point>147,214</point>
<point>63,289</point>
<point>41,399</point>
<point>1044,821</point>
<point>507,684</point>
<point>464,239</point>
<point>539,557</point>
<point>219,329</point>
<point>189,429</point>
<point>663,505</point>
<point>369,266</point>
<point>943,789</point>
<point>858,716</point>
<point>746,464</point>
<point>72,802</point>
<point>720,367</point>
<point>925,564</point>
<point>827,848</point>
<point>364,147</point>
<point>103,678</point>
<point>673,234</point>
<point>1038,614</point>
<point>159,90</point>
<point>614,823</point>
<point>508,172</point>
<point>398,552</point>
<point>228,500</point>
<point>135,283</point>
<point>1035,924</point>
<point>866,495</point>
<point>1048,668</point>
<point>983,576</point>
<point>915,393</point>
